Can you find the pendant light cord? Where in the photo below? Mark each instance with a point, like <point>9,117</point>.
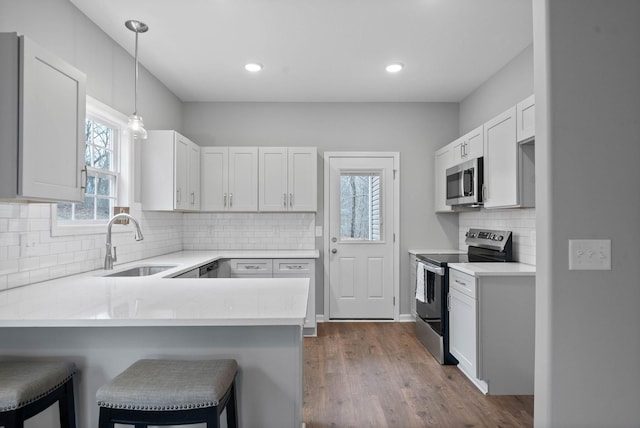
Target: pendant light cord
<point>135,82</point>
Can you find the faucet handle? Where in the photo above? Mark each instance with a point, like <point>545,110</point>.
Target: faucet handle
<point>115,255</point>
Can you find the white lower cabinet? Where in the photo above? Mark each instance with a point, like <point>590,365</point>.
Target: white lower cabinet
<point>301,268</point>
<point>463,326</point>
<point>491,333</point>
<point>281,268</point>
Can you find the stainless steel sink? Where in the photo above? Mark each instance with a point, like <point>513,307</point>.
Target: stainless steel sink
<point>145,270</point>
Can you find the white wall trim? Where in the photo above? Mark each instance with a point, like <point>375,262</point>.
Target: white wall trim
<point>396,226</point>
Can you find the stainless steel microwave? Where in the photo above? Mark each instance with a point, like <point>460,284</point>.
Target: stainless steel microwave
<point>464,183</point>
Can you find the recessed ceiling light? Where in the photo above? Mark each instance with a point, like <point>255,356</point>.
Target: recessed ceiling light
<point>394,68</point>
<point>253,67</point>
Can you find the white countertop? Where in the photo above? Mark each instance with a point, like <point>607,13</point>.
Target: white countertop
<point>432,251</point>
<point>92,299</point>
<point>494,269</point>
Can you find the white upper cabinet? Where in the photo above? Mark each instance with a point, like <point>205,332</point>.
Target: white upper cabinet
<point>229,178</point>
<point>443,160</point>
<point>509,166</point>
<point>42,115</point>
<point>526,119</point>
<point>170,172</point>
<point>469,146</point>
<point>288,178</point>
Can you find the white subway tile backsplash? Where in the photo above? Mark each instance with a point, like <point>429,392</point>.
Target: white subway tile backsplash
<point>242,231</point>
<point>28,252</point>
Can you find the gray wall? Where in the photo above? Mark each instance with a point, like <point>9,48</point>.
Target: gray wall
<point>413,129</point>
<point>510,85</point>
<point>62,29</point>
<point>587,85</point>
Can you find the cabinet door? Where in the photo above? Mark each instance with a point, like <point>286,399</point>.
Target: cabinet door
<point>181,172</point>
<point>474,143</point>
<point>457,151</point>
<point>300,268</point>
<point>194,177</point>
<point>469,146</point>
<point>526,119</point>
<point>51,124</point>
<point>243,179</point>
<point>443,160</point>
<point>214,178</point>
<point>501,161</point>
<point>463,331</point>
<point>302,179</point>
<point>273,179</point>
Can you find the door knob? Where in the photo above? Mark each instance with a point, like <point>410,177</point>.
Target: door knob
<point>334,251</point>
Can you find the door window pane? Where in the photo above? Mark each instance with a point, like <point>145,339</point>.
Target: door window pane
<point>360,207</point>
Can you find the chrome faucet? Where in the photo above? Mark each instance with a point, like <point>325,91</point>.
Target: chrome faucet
<point>110,258</point>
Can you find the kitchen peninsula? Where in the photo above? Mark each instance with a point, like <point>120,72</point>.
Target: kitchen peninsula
<point>104,324</point>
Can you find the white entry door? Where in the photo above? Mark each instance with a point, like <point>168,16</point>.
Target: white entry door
<point>361,237</point>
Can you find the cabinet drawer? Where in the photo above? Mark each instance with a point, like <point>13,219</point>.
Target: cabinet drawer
<point>258,267</point>
<point>303,267</point>
<point>462,282</point>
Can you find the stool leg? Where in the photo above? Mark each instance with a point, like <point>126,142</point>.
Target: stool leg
<point>11,420</point>
<point>232,408</point>
<point>105,419</point>
<point>66,405</point>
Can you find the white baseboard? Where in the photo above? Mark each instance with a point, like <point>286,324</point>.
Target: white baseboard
<point>403,318</point>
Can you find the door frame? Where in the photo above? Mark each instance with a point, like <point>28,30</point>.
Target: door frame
<point>396,225</point>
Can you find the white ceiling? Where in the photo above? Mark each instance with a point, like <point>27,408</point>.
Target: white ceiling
<point>320,50</point>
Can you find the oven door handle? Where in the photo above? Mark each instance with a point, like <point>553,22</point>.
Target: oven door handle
<point>434,269</point>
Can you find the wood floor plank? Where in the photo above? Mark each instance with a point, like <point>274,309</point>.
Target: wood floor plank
<point>378,375</point>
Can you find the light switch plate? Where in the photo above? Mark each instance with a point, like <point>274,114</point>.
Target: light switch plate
<point>318,231</point>
<point>589,254</point>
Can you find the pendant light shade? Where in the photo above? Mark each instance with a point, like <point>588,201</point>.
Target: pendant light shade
<point>136,125</point>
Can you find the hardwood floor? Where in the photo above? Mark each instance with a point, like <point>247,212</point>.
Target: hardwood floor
<point>379,375</point>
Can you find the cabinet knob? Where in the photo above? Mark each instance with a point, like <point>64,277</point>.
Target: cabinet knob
<point>334,250</point>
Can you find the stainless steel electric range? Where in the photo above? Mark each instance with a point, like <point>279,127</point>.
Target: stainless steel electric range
<point>432,286</point>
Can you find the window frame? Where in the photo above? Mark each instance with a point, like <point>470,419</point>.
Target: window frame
<point>123,171</point>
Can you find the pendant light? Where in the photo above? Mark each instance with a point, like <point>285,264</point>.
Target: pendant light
<point>136,126</point>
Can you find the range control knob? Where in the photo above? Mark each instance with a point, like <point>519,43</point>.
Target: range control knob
<point>500,238</point>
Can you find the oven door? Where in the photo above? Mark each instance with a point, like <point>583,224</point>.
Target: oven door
<point>464,183</point>
<point>430,311</point>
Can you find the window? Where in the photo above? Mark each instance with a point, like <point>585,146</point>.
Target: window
<point>101,139</point>
<point>360,205</point>
<point>106,152</point>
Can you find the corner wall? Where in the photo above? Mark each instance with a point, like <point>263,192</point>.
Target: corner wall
<point>587,60</point>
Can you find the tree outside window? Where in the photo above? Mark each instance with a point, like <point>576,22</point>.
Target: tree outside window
<point>360,203</point>
<point>101,143</point>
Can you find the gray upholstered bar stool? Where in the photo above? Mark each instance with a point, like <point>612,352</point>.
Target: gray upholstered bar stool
<point>170,392</point>
<point>29,387</point>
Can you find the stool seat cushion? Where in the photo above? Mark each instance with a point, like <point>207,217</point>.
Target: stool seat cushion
<point>23,382</point>
<point>160,385</point>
